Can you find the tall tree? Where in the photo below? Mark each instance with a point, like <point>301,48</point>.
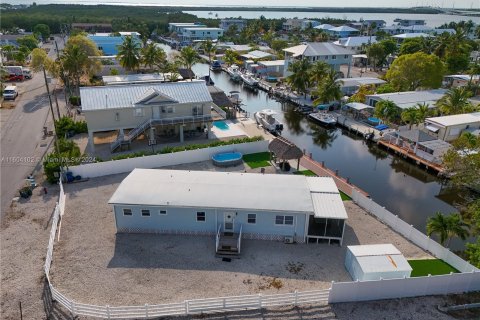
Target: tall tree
<point>76,63</point>
<point>423,111</point>
<point>386,110</point>
<point>376,55</point>
<point>410,116</point>
<point>455,101</point>
<point>361,94</point>
<point>329,89</point>
<point>129,54</point>
<point>318,71</point>
<point>187,58</point>
<point>299,80</point>
<point>43,30</point>
<point>418,70</point>
<point>230,57</point>
<point>153,56</point>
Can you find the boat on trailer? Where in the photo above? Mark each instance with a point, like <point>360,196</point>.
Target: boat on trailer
<point>323,118</point>
<point>266,118</point>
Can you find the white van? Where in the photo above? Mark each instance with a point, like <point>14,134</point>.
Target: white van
<point>10,93</point>
<point>27,73</point>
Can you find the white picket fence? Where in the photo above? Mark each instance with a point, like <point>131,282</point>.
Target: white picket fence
<point>412,234</point>
<point>100,169</point>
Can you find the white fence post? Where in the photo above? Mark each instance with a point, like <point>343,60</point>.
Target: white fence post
<point>296,298</point>
<point>186,307</point>
<point>224,303</point>
<point>72,307</point>
<point>108,311</point>
<point>146,310</point>
<point>260,300</point>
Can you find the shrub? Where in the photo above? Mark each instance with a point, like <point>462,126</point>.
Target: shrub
<point>67,125</point>
<point>188,147</point>
<point>74,100</point>
<point>69,154</point>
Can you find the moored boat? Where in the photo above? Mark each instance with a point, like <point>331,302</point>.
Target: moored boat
<point>323,118</point>
<point>234,72</point>
<point>216,65</point>
<point>267,120</point>
<point>249,80</point>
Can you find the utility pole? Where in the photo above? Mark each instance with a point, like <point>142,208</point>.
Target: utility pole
<point>51,110</point>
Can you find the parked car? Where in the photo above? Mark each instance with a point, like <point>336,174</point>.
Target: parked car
<point>27,73</point>
<point>10,93</point>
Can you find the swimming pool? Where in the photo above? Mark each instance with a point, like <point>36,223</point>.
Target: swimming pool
<point>222,125</point>
<point>227,159</point>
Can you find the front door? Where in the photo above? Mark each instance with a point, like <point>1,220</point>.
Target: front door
<point>228,221</point>
<point>156,112</point>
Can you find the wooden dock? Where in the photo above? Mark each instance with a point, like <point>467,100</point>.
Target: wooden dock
<point>409,154</point>
<point>356,127</point>
<point>320,170</point>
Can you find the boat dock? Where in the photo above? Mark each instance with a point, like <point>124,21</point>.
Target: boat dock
<point>320,170</point>
<point>408,154</point>
<point>356,127</point>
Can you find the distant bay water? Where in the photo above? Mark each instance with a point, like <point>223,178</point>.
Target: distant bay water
<point>433,20</point>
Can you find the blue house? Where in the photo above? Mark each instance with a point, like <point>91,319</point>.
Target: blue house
<point>108,43</point>
<point>230,206</point>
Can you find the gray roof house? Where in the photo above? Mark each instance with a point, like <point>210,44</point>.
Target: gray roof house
<point>408,99</point>
<point>230,206</point>
<point>319,51</point>
<point>168,108</point>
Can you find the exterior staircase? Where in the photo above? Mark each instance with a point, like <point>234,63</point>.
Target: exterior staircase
<point>228,244</point>
<point>141,128</point>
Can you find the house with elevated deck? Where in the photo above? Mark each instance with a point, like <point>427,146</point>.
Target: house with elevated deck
<point>175,109</point>
<point>230,206</point>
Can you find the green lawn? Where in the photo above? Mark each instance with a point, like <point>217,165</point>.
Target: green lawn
<point>257,160</point>
<point>344,196</point>
<point>307,173</point>
<point>434,267</point>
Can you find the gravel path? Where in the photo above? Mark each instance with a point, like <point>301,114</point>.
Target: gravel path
<point>92,264</point>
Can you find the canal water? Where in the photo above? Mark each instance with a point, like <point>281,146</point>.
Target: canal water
<point>402,187</point>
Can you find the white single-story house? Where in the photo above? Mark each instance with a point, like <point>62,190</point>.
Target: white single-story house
<point>449,128</point>
<point>329,53</point>
<point>350,85</point>
<point>169,109</point>
<point>408,99</point>
<point>460,80</point>
<point>375,262</point>
<point>256,54</point>
<point>271,67</point>
<point>252,206</point>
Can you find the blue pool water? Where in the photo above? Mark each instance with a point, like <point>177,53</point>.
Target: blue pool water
<point>229,156</point>
<point>222,125</point>
<point>374,120</point>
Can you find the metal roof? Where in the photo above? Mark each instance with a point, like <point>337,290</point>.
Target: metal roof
<point>373,250</point>
<point>412,35</point>
<point>456,119</point>
<point>358,106</point>
<point>436,145</point>
<point>124,96</point>
<point>136,78</point>
<point>228,190</point>
<point>385,263</point>
<point>272,63</point>
<point>312,49</point>
<point>351,82</point>
<point>411,98</point>
<point>355,41</point>
<point>343,28</point>
<point>256,54</point>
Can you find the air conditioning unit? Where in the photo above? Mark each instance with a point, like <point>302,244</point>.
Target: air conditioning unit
<point>288,239</point>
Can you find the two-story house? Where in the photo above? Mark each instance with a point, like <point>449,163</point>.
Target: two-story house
<point>108,43</point>
<point>239,24</point>
<point>178,27</point>
<point>332,54</point>
<point>356,44</point>
<point>200,33</point>
<point>159,109</point>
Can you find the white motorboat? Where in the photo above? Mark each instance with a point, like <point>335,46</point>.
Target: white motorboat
<point>267,120</point>
<point>249,80</point>
<point>234,72</point>
<point>323,118</point>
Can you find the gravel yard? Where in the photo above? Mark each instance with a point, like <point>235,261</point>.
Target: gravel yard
<point>94,265</point>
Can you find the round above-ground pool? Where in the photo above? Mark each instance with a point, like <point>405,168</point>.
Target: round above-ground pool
<point>227,159</point>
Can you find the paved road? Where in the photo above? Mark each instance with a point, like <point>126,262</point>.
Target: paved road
<point>22,144</point>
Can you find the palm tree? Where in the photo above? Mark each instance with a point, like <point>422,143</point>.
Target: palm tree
<point>455,101</point>
<point>318,71</point>
<point>410,116</point>
<point>187,58</point>
<point>299,80</point>
<point>75,63</point>
<point>209,48</point>
<point>361,94</point>
<point>386,110</point>
<point>129,54</point>
<point>230,57</point>
<point>474,71</point>
<point>152,56</point>
<point>423,111</point>
<point>329,89</point>
<point>8,49</point>
<point>447,227</point>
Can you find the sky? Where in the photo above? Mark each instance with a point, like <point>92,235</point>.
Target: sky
<point>302,3</point>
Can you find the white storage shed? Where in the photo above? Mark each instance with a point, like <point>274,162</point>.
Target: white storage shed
<point>375,262</point>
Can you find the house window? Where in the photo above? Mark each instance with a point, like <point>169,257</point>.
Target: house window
<point>168,109</point>
<point>138,112</point>
<point>346,56</point>
<point>326,57</point>
<point>127,212</point>
<point>284,220</point>
<point>201,216</point>
<point>252,218</point>
<point>163,212</point>
<point>334,57</point>
<point>145,213</point>
<point>117,116</point>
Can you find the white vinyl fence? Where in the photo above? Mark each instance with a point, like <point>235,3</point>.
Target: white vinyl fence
<point>100,169</point>
<point>412,234</point>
